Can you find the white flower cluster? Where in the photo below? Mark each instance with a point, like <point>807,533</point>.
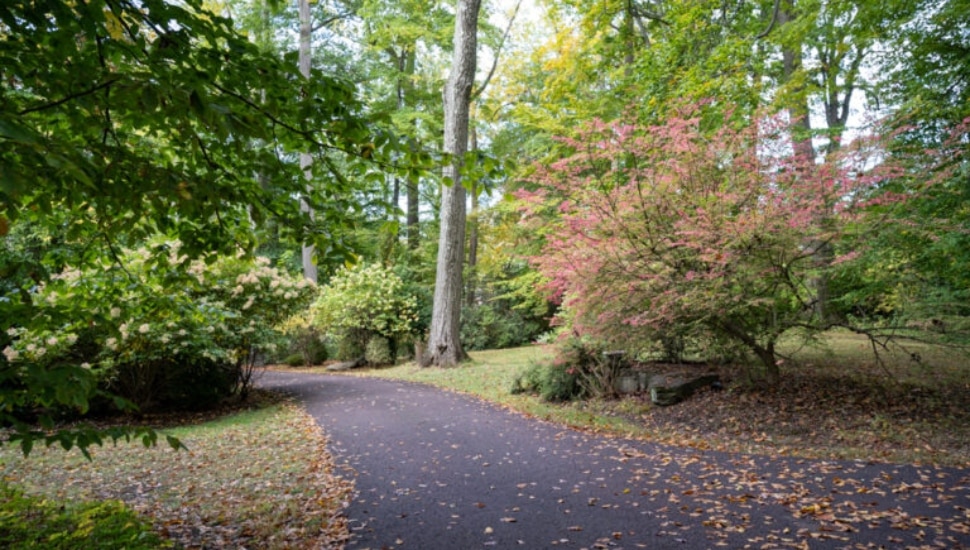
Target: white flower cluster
<point>35,346</point>
<point>233,303</point>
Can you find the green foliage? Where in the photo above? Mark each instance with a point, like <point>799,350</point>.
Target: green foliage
<point>510,307</point>
<point>379,351</point>
<point>295,360</point>
<point>115,335</point>
<point>304,340</point>
<point>32,522</point>
<point>492,325</point>
<point>570,375</point>
<point>121,121</point>
<point>529,379</point>
<point>165,120</point>
<point>362,302</point>
<point>552,382</point>
<point>351,344</point>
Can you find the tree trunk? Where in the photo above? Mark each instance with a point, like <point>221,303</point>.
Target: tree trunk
<point>306,161</point>
<point>406,86</point>
<point>822,249</point>
<point>770,373</point>
<point>444,348</point>
<point>791,65</point>
<point>474,189</point>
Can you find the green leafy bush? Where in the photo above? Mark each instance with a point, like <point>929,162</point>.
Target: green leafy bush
<point>351,344</point>
<point>152,328</point>
<point>304,341</point>
<point>485,327</point>
<point>363,302</point>
<point>580,369</point>
<point>379,351</point>
<point>509,310</point>
<point>30,522</point>
<point>551,382</point>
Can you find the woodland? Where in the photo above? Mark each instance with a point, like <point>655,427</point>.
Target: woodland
<point>193,189</point>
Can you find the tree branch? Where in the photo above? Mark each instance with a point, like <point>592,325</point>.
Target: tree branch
<point>59,102</point>
<point>642,13</point>
<point>498,52</point>
<point>332,19</point>
<point>771,24</point>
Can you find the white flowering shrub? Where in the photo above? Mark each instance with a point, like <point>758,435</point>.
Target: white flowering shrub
<point>362,302</point>
<point>168,333</point>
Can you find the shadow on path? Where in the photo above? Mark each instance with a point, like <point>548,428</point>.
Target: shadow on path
<point>437,470</point>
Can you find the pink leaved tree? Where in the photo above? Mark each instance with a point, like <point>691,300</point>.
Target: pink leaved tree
<point>665,234</point>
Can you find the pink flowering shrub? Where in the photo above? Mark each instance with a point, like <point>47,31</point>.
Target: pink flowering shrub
<point>657,235</point>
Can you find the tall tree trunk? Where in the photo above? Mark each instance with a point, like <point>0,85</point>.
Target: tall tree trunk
<point>791,66</point>
<point>408,66</point>
<point>444,348</point>
<point>306,161</point>
<point>823,253</point>
<point>473,190</point>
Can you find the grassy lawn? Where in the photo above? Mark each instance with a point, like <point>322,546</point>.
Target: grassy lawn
<point>260,478</point>
<point>835,401</point>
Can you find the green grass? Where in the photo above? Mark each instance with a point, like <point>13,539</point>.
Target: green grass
<point>489,375</point>
<point>835,401</point>
<point>260,478</point>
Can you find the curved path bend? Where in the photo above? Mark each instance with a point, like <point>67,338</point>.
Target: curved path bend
<point>438,470</point>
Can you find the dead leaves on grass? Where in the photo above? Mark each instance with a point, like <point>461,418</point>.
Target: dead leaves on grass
<point>268,482</point>
<point>824,415</point>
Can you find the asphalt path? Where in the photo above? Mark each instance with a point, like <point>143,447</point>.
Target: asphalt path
<point>439,470</point>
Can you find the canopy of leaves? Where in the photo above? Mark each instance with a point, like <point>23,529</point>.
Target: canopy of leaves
<point>149,117</point>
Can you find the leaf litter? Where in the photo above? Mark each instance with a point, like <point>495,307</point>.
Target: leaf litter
<point>256,479</point>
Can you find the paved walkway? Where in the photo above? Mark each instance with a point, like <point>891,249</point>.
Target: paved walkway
<point>437,470</point>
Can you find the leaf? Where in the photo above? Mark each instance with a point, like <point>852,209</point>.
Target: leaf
<point>26,445</point>
<point>174,443</point>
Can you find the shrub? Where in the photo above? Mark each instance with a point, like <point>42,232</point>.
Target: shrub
<point>509,310</point>
<point>349,347</point>
<point>125,329</point>
<point>580,369</point>
<point>586,359</point>
<point>363,302</point>
<point>295,360</point>
<point>31,522</point>
<point>379,351</point>
<point>550,382</point>
<point>718,233</point>
<point>528,380</point>
<point>487,326</point>
<point>195,383</point>
<point>304,340</point>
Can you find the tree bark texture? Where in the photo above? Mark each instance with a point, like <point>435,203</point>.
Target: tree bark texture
<point>474,189</point>
<point>306,161</point>
<point>792,57</point>
<point>444,347</point>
